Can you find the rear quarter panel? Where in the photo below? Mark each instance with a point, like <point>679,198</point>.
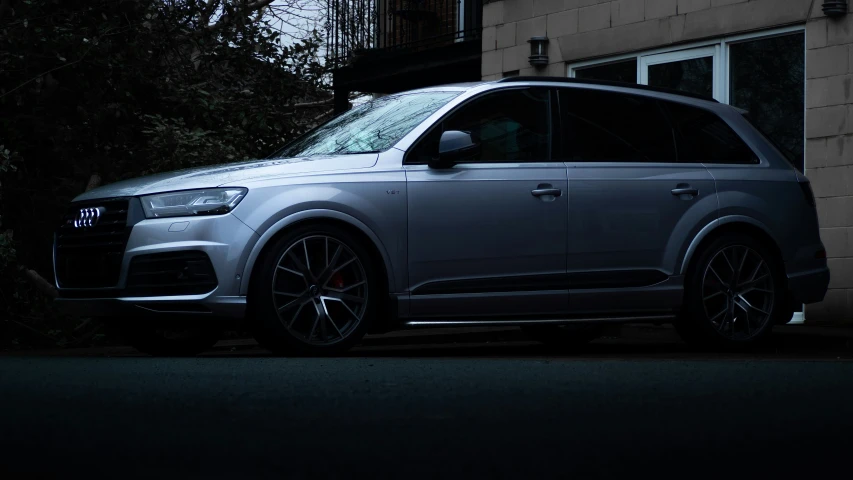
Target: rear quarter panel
<point>767,192</point>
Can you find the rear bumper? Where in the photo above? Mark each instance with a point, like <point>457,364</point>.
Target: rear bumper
<point>809,286</point>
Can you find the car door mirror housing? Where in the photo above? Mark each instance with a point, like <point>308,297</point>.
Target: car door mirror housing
<point>452,147</point>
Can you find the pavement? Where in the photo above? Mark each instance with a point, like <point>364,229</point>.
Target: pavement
<point>486,404</point>
<point>637,341</point>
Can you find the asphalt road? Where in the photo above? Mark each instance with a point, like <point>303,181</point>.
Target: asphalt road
<point>517,415</point>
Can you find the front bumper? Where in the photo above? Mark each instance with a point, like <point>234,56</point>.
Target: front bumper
<point>224,239</point>
<point>171,306</point>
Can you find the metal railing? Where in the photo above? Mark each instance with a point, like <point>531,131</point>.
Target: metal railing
<point>356,26</point>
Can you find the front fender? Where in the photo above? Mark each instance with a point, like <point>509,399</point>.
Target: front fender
<point>312,214</point>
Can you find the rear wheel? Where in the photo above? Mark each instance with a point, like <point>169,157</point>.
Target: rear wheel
<point>314,294</point>
<point>734,293</point>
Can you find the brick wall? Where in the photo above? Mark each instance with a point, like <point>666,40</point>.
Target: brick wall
<point>588,29</point>
<point>829,154</point>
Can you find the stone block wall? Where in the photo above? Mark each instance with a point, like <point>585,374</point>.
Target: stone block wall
<point>829,154</point>
<point>589,29</point>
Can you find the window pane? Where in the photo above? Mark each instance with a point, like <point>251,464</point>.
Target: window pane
<point>768,80</point>
<point>625,71</point>
<point>612,127</point>
<point>510,126</point>
<point>705,138</point>
<point>694,76</point>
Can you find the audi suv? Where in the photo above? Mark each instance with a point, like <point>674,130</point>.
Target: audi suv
<point>555,205</point>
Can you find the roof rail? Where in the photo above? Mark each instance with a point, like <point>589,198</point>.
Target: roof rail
<point>586,81</point>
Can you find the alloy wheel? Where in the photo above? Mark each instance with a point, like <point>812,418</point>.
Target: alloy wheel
<point>319,290</point>
<point>738,292</point>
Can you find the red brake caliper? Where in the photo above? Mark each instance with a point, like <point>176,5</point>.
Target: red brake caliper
<point>338,280</point>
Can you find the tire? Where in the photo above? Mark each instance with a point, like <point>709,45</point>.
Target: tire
<point>563,335</point>
<point>170,343</point>
<point>313,293</point>
<point>734,294</point>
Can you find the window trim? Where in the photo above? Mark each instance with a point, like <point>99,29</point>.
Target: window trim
<point>723,42</point>
<point>438,123</point>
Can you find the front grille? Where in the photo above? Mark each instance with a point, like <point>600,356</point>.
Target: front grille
<point>91,257</point>
<point>174,273</point>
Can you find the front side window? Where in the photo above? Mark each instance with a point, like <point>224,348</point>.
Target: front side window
<point>602,126</point>
<point>703,137</point>
<point>372,127</point>
<point>509,126</point>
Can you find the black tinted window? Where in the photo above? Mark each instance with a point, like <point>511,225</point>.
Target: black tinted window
<point>705,138</point>
<point>509,126</point>
<point>603,126</point>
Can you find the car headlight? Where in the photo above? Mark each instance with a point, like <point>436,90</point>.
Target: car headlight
<point>187,203</point>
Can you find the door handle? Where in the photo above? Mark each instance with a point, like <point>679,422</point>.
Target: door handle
<point>541,192</point>
<point>688,190</point>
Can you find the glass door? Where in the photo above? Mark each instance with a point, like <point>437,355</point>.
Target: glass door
<point>696,70</point>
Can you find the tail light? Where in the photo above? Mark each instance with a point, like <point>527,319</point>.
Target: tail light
<point>806,187</point>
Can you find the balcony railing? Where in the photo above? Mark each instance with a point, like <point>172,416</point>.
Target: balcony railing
<point>355,27</point>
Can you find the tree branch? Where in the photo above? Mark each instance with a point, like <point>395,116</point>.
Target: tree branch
<point>248,9</point>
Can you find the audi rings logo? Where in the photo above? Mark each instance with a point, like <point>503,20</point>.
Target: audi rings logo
<point>88,217</point>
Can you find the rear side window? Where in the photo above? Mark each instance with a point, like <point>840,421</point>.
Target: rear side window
<point>703,137</point>
<point>601,126</point>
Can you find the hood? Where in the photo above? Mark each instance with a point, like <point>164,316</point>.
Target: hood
<point>229,175</point>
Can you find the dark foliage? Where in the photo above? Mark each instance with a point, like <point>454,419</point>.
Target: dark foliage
<point>122,88</point>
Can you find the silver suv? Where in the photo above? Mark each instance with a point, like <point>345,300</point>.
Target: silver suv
<point>555,205</point>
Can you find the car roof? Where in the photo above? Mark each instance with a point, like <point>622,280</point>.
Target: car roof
<point>605,83</point>
<point>624,87</point>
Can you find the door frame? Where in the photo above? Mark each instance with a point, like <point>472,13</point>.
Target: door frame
<point>713,51</point>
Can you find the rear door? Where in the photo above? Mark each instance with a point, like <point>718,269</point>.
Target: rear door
<point>633,206</point>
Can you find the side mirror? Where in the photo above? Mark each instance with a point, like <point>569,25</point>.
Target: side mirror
<point>452,147</point>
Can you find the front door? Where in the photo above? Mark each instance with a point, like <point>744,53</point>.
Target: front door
<point>633,206</point>
<point>488,236</point>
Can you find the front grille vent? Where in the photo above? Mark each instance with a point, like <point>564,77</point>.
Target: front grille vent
<point>91,256</point>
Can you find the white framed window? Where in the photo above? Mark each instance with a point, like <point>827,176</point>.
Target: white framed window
<point>761,72</point>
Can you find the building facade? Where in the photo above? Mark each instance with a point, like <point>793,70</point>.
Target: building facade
<point>787,62</point>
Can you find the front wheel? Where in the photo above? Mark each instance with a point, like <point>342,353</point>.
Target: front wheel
<point>734,293</point>
<point>315,292</point>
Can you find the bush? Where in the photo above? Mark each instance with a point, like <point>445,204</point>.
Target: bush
<point>124,88</point>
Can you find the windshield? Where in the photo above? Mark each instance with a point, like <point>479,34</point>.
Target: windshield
<point>371,127</point>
